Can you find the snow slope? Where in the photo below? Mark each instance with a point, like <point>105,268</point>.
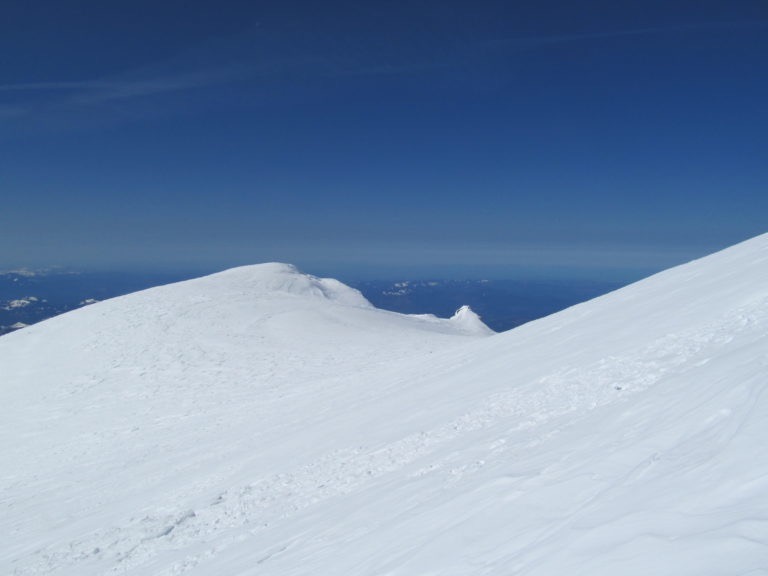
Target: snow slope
<point>260,421</point>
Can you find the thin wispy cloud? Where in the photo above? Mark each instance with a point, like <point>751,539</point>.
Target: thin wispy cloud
<point>59,104</point>
<point>537,41</point>
<point>122,90</point>
<point>92,91</point>
<point>423,60</point>
<point>242,59</point>
<point>49,86</point>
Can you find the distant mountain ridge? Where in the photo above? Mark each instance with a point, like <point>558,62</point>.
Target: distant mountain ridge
<point>502,304</point>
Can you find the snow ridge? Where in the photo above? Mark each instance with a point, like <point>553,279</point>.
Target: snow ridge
<point>275,277</point>
<point>264,421</point>
<point>470,321</point>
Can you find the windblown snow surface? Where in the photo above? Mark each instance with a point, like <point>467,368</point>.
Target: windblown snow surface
<point>261,421</point>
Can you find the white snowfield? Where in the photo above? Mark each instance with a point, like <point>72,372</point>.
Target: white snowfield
<point>261,421</point>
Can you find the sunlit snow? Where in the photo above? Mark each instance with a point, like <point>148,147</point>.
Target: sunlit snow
<point>262,421</point>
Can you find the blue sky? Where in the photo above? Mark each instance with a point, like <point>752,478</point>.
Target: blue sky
<point>433,137</point>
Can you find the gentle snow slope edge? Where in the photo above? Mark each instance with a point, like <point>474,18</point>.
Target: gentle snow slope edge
<point>620,436</point>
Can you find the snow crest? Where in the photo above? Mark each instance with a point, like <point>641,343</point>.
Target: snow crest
<point>468,320</point>
<point>263,279</point>
<point>264,421</point>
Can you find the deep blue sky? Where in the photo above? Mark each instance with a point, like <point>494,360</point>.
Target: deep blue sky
<point>434,137</point>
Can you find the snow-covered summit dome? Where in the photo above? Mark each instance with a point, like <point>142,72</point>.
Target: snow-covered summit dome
<point>278,277</point>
